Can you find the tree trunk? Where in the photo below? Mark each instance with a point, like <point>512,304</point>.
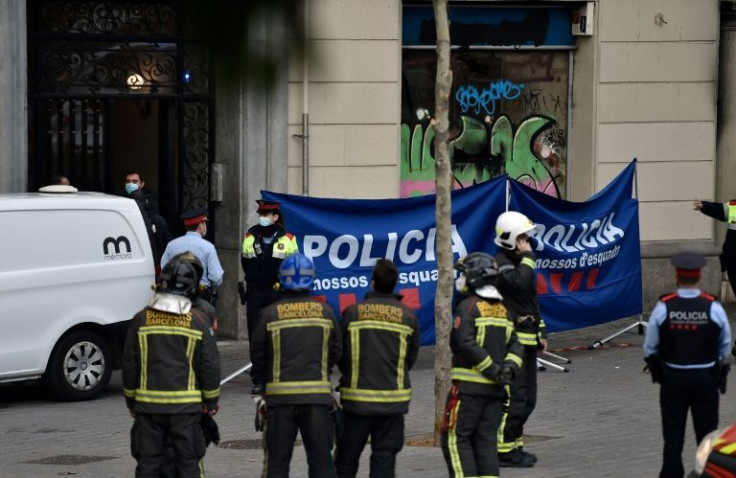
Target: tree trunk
<point>443,217</point>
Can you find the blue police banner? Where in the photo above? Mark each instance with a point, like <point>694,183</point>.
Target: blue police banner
<point>588,254</point>
<point>345,237</point>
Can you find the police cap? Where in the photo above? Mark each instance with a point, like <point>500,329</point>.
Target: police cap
<point>264,207</point>
<point>688,264</point>
<point>194,216</point>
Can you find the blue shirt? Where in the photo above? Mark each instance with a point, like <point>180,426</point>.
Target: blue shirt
<point>717,315</point>
<point>203,250</point>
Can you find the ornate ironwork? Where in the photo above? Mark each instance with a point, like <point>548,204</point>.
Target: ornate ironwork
<point>195,170</point>
<point>139,19</point>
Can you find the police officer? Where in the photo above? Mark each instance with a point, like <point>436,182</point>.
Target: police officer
<point>381,344</point>
<point>517,285</point>
<point>195,223</point>
<point>294,346</point>
<point>265,245</point>
<point>687,339</point>
<point>171,374</point>
<point>486,356</point>
<point>723,212</point>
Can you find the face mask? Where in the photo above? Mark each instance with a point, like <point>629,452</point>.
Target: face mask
<point>264,221</point>
<point>130,187</point>
<point>460,283</point>
<point>204,231</point>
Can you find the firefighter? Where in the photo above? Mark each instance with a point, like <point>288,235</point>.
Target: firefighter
<point>294,346</point>
<point>517,285</point>
<point>381,344</point>
<point>486,356</point>
<point>171,374</point>
<point>725,212</point>
<point>265,246</point>
<point>687,341</point>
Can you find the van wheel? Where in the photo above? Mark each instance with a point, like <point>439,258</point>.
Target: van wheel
<point>80,366</point>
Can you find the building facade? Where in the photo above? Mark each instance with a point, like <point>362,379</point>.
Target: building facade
<point>559,94</point>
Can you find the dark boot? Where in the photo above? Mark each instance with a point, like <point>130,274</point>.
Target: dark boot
<point>532,456</point>
<point>515,459</point>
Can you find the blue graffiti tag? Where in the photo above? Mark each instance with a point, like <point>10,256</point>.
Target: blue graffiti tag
<point>469,97</point>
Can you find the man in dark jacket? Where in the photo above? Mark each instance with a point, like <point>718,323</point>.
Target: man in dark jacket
<point>295,344</point>
<point>485,357</point>
<point>171,374</point>
<point>381,344</point>
<point>517,284</point>
<point>725,212</point>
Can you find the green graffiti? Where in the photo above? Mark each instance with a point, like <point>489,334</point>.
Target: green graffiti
<point>473,152</point>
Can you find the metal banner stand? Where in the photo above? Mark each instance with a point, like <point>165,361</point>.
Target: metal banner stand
<point>235,373</point>
<point>639,323</point>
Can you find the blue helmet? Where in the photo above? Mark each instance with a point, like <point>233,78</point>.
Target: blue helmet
<point>297,272</point>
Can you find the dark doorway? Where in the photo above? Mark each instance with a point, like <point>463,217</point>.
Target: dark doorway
<point>118,87</point>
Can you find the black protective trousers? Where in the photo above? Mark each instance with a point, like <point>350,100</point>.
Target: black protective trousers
<point>469,438</point>
<point>258,299</point>
<point>387,438</point>
<point>149,437</point>
<point>519,403</point>
<point>696,390</point>
<point>315,423</point>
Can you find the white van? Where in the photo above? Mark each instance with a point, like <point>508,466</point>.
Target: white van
<point>74,270</point>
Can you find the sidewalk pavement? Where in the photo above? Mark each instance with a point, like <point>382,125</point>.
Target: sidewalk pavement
<point>599,420</point>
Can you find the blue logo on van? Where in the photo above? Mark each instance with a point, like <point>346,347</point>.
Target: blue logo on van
<point>116,243</point>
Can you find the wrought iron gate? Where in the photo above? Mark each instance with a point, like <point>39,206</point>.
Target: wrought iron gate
<point>86,59</point>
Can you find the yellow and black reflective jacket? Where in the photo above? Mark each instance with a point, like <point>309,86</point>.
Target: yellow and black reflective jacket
<point>294,346</point>
<point>381,344</point>
<point>517,284</point>
<point>170,362</point>
<point>482,341</point>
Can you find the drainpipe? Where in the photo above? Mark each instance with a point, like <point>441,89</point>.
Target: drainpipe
<point>305,104</point>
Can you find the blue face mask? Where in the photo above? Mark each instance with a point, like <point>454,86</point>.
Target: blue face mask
<point>130,187</point>
<point>264,221</point>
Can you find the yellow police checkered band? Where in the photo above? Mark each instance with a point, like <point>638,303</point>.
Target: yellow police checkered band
<point>293,323</point>
<point>292,388</point>
<point>279,254</point>
<point>526,338</point>
<point>248,255</point>
<point>211,393</point>
<point>469,375</point>
<point>166,330</point>
<point>484,364</point>
<point>513,358</point>
<point>168,397</point>
<point>528,261</point>
<point>249,245</point>
<point>380,325</point>
<point>491,322</point>
<point>128,392</point>
<point>377,396</point>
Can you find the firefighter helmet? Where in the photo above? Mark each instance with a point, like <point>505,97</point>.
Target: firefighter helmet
<point>180,276</point>
<point>509,226</point>
<point>297,272</point>
<point>480,269</point>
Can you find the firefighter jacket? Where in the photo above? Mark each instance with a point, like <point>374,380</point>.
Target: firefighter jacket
<point>381,344</point>
<point>294,346</point>
<point>517,285</point>
<point>170,362</point>
<point>481,337</point>
<point>263,250</point>
<point>725,212</point>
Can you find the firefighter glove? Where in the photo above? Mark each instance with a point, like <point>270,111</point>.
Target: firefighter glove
<point>507,375</point>
<point>260,419</point>
<point>210,430</point>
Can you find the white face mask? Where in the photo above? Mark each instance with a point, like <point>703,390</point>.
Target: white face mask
<point>264,221</point>
<point>204,231</point>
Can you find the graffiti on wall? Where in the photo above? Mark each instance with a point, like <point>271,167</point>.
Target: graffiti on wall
<point>513,123</point>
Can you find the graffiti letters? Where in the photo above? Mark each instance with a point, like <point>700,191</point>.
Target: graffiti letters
<point>484,101</point>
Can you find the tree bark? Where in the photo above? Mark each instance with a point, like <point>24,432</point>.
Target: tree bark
<point>443,217</point>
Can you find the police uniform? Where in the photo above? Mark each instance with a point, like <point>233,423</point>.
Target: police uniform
<point>482,342</point>
<point>171,369</point>
<point>204,250</point>
<point>294,346</point>
<point>381,344</point>
<point>263,250</point>
<point>687,337</point>
<point>517,285</point>
<point>725,212</point>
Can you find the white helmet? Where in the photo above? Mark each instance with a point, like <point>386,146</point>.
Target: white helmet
<point>509,226</point>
